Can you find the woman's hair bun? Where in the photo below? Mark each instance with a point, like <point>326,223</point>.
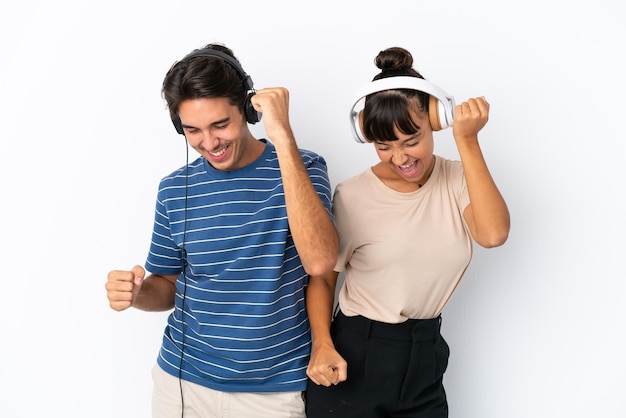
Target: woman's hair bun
<point>394,58</point>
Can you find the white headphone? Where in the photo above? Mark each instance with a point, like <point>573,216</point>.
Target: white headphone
<point>440,107</point>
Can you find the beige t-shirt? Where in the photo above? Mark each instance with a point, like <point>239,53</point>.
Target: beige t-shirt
<point>403,253</point>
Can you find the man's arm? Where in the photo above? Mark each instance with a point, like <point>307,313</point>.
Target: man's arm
<point>312,228</point>
<point>129,288</point>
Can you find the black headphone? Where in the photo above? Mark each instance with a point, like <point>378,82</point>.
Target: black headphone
<point>252,115</point>
<point>440,107</point>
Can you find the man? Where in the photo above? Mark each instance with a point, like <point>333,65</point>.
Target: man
<point>240,234</point>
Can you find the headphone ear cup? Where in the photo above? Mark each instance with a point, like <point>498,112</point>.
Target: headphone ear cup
<point>252,116</point>
<point>433,114</point>
<point>178,124</point>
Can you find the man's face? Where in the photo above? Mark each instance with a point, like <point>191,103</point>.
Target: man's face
<point>218,131</point>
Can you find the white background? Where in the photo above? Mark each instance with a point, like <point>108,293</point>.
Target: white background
<point>537,326</point>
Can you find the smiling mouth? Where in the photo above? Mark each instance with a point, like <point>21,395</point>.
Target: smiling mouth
<point>409,169</point>
<point>219,154</point>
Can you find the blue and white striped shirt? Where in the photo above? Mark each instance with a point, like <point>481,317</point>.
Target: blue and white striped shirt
<point>240,310</point>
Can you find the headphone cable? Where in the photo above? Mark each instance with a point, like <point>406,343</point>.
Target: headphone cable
<point>184,269</point>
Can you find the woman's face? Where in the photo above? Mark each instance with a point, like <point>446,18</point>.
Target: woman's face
<point>410,158</point>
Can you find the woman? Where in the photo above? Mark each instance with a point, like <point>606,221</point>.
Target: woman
<point>407,227</point>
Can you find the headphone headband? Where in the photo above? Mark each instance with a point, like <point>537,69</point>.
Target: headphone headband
<point>224,57</point>
<point>444,108</point>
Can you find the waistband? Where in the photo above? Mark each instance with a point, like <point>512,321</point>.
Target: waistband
<point>410,330</point>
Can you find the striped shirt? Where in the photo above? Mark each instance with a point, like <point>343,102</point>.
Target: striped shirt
<point>239,317</point>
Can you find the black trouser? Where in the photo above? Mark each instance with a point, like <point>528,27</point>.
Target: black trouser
<point>394,370</point>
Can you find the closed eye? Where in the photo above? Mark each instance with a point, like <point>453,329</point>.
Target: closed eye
<point>382,146</point>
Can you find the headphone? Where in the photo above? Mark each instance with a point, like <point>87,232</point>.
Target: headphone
<point>252,115</point>
<point>440,106</point>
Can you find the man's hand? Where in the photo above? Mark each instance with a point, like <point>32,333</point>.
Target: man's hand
<point>123,287</point>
